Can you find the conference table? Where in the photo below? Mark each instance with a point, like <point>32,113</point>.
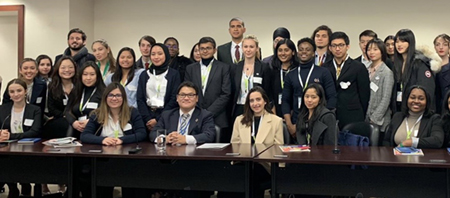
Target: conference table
<point>377,172</point>
<point>178,168</point>
<point>36,163</point>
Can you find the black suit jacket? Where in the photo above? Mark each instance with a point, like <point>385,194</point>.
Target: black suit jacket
<point>261,70</point>
<point>352,102</point>
<point>431,134</point>
<point>201,125</point>
<point>38,94</point>
<point>224,53</point>
<point>217,92</point>
<point>139,63</point>
<point>30,130</point>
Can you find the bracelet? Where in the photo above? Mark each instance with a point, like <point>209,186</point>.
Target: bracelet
<point>401,144</point>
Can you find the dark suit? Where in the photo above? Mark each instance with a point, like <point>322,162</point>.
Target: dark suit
<point>173,81</point>
<point>201,125</point>
<point>431,134</point>
<point>30,130</point>
<point>217,92</point>
<point>92,132</point>
<point>352,101</point>
<point>224,53</point>
<point>328,58</point>
<point>261,70</point>
<point>139,63</point>
<point>38,94</point>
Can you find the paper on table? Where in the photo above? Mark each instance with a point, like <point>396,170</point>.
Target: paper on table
<point>213,146</point>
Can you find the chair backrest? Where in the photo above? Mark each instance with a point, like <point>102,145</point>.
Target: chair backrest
<point>364,129</point>
<point>286,135</point>
<point>217,134</point>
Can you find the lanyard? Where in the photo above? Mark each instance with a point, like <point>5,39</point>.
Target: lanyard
<point>282,77</point>
<point>259,125</point>
<point>105,70</point>
<point>247,85</point>
<point>183,130</point>
<point>307,78</point>
<point>83,107</point>
<point>205,74</point>
<point>65,92</point>
<point>408,131</point>
<point>340,67</point>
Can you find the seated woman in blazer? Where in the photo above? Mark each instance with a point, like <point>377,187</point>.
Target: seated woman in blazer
<point>19,120</point>
<point>416,125</point>
<point>157,88</point>
<point>316,125</point>
<point>114,122</point>
<point>85,98</point>
<point>257,124</point>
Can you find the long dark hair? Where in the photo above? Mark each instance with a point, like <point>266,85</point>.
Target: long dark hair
<point>276,62</point>
<point>445,119</point>
<point>405,110</point>
<point>79,88</point>
<point>55,87</point>
<point>192,56</point>
<point>43,57</point>
<point>248,112</point>
<point>405,35</point>
<point>117,76</point>
<point>304,111</point>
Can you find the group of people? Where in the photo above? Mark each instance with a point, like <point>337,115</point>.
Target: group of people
<point>102,99</point>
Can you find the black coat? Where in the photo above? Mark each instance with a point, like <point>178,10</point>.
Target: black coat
<point>431,134</point>
<point>352,101</point>
<point>38,94</point>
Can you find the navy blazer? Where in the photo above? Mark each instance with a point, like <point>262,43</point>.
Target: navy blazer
<point>139,63</point>
<point>261,70</point>
<point>38,94</point>
<point>218,89</point>
<point>224,53</point>
<point>292,90</point>
<point>170,99</point>
<point>30,130</point>
<point>201,125</point>
<point>93,130</point>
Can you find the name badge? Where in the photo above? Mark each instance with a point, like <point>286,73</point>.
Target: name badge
<point>373,86</point>
<point>38,100</point>
<point>28,122</point>
<point>82,118</point>
<point>65,102</point>
<point>299,102</point>
<point>399,96</point>
<point>280,97</point>
<point>257,80</point>
<point>92,105</point>
<point>132,88</point>
<point>127,127</point>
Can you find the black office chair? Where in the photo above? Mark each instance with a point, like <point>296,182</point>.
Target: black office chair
<point>217,134</point>
<point>286,135</point>
<point>364,129</point>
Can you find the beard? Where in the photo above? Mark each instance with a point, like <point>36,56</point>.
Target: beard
<point>76,48</point>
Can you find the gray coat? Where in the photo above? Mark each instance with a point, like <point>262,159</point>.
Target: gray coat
<point>379,112</point>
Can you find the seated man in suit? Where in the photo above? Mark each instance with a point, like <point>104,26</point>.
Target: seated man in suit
<point>187,124</point>
<point>231,52</point>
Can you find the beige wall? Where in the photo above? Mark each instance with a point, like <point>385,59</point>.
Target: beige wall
<point>8,49</point>
<point>81,15</point>
<point>122,23</point>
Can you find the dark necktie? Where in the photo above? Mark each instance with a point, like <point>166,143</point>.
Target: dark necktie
<point>237,54</point>
<point>146,65</point>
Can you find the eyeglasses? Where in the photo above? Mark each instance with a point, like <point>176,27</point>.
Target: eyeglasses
<point>206,48</point>
<point>190,96</point>
<point>117,96</point>
<point>338,45</point>
<point>172,46</point>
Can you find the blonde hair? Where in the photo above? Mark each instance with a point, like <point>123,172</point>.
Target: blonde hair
<point>255,39</point>
<point>103,111</point>
<point>111,60</point>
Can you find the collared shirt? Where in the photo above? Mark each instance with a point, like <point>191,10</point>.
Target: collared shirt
<point>112,129</point>
<point>204,74</point>
<point>143,62</point>
<point>189,138</point>
<point>342,65</point>
<point>233,50</point>
<point>367,63</point>
<point>319,60</point>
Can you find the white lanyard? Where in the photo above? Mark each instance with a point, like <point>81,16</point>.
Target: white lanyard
<point>83,107</point>
<point>205,74</point>
<point>342,65</point>
<point>282,77</point>
<point>307,78</point>
<point>248,82</point>
<point>259,125</point>
<point>408,131</point>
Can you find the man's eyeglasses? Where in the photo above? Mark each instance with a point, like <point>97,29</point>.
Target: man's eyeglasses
<point>206,48</point>
<point>190,96</point>
<point>338,45</point>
